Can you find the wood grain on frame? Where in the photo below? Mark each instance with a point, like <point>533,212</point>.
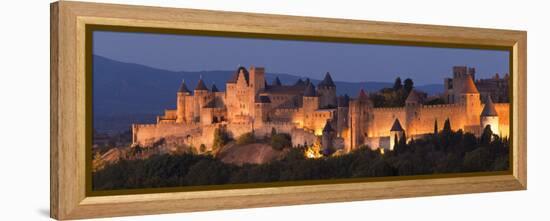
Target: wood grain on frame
<point>68,112</point>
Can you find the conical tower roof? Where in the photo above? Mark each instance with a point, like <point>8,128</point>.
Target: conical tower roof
<point>310,91</point>
<point>469,87</point>
<point>183,88</point>
<point>489,109</point>
<point>327,81</point>
<point>277,82</point>
<point>201,86</point>
<point>299,82</point>
<point>327,128</point>
<point>214,88</point>
<point>396,126</point>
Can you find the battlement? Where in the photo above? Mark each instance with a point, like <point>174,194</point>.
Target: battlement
<point>455,105</point>
<point>156,125</point>
<point>388,109</point>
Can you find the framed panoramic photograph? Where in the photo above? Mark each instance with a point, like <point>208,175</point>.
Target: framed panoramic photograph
<point>158,110</point>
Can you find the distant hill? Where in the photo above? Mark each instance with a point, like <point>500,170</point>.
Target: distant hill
<point>122,89</point>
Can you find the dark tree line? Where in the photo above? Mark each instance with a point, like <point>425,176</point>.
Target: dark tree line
<point>446,151</point>
<point>394,96</point>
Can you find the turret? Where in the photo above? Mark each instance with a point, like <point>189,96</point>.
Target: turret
<point>413,105</point>
<point>263,105</point>
<point>200,99</point>
<point>327,139</point>
<point>360,116</point>
<point>327,92</point>
<point>214,88</point>
<point>180,103</point>
<point>469,98</point>
<point>396,133</point>
<point>414,98</point>
<point>310,103</point>
<point>257,78</point>
<point>489,116</point>
<point>342,115</point>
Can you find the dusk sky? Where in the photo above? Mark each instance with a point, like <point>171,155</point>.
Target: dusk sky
<point>345,61</point>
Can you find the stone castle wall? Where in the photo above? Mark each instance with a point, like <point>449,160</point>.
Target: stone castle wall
<point>147,134</point>
<point>383,119</point>
<point>302,136</point>
<point>503,111</point>
<point>428,114</point>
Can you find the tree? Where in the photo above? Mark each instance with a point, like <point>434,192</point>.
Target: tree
<point>202,148</point>
<point>246,138</point>
<point>409,84</point>
<point>397,85</point>
<point>403,140</point>
<point>486,135</point>
<point>220,138</point>
<point>447,126</point>
<point>435,128</point>
<point>280,141</point>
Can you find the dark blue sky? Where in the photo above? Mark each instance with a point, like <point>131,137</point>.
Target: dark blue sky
<point>345,61</point>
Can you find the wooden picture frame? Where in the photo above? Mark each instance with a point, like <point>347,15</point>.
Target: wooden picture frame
<point>69,198</point>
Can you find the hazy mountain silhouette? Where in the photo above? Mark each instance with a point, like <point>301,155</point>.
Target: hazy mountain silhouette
<point>133,90</point>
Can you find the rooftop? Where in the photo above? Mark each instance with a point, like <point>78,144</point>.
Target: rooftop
<point>396,126</point>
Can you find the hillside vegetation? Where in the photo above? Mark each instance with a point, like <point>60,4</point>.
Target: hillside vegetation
<point>445,152</point>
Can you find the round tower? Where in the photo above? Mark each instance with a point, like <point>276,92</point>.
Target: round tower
<point>327,139</point>
<point>310,103</point>
<point>469,98</point>
<point>201,94</point>
<point>342,115</point>
<point>180,105</point>
<point>489,116</point>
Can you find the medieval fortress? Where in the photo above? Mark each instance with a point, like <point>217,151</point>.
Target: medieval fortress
<point>311,112</point>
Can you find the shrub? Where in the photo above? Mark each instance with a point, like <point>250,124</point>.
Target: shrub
<point>246,138</point>
<point>220,138</point>
<point>280,141</point>
<point>202,148</point>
